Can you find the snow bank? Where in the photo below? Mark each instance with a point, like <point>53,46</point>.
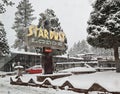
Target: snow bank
<point>79,69</point>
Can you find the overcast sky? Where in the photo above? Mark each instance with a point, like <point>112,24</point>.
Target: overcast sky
<point>73,16</point>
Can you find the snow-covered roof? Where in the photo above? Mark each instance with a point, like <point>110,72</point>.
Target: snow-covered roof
<point>65,56</point>
<point>77,62</point>
<point>23,52</point>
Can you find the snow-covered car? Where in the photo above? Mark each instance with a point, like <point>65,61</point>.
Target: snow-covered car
<point>35,69</point>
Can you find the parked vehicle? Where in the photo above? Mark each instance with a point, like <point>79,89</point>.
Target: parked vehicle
<point>35,69</point>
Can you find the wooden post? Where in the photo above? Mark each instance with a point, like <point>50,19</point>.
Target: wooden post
<point>118,66</point>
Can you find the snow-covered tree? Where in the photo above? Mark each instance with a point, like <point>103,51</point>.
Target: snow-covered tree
<point>49,21</point>
<point>102,51</point>
<point>4,3</point>
<point>83,47</point>
<point>73,50</point>
<point>104,25</point>
<point>4,48</point>
<point>80,47</point>
<point>23,18</point>
<point>70,52</point>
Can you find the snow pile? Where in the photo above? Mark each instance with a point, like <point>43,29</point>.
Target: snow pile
<point>86,68</point>
<point>19,67</point>
<point>78,69</point>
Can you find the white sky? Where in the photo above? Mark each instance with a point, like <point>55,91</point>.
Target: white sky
<point>73,16</point>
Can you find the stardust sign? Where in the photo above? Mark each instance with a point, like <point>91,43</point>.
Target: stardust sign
<point>39,37</point>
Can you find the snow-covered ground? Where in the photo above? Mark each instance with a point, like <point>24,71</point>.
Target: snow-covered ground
<point>7,88</point>
<point>109,80</point>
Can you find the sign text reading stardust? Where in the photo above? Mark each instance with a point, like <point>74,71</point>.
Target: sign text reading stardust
<point>39,32</point>
<point>46,38</point>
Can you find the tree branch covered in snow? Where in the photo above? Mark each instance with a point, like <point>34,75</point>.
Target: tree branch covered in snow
<point>104,25</point>
<point>4,3</point>
<point>4,48</point>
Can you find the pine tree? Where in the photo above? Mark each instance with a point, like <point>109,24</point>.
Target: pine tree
<point>4,48</point>
<point>23,18</point>
<point>104,26</point>
<point>49,21</point>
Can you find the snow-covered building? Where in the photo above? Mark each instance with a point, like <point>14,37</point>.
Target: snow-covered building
<point>82,63</point>
<point>87,56</point>
<point>28,59</point>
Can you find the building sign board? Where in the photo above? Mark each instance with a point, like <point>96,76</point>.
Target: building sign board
<point>39,37</point>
